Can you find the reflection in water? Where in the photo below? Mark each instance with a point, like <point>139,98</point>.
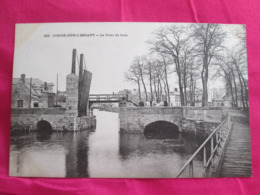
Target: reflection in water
<point>77,155</point>
<point>43,136</point>
<point>102,153</point>
<point>131,144</point>
<point>62,155</point>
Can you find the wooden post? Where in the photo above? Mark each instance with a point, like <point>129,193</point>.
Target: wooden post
<point>191,169</point>
<point>221,135</point>
<point>212,148</point>
<point>217,144</point>
<point>204,157</point>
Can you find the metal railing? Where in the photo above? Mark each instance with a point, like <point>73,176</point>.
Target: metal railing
<point>220,134</point>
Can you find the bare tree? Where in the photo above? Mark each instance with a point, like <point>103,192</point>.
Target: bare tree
<point>187,71</point>
<point>158,72</point>
<point>169,42</point>
<point>208,40</point>
<point>164,62</point>
<point>140,64</point>
<point>149,71</point>
<point>191,79</point>
<point>226,71</point>
<point>239,62</point>
<point>133,76</point>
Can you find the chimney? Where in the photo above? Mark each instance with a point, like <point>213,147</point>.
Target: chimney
<point>23,77</point>
<point>80,81</point>
<point>81,66</point>
<point>73,67</point>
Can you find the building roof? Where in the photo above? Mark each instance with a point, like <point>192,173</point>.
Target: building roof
<point>34,93</point>
<point>35,82</point>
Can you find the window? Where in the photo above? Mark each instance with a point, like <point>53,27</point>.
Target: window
<point>36,105</point>
<point>19,103</point>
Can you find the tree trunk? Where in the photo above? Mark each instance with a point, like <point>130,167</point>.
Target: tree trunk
<point>165,91</point>
<point>167,87</point>
<point>191,92</point>
<point>159,87</point>
<point>166,82</point>
<point>204,76</point>
<point>139,90</point>
<point>177,63</point>
<point>145,91</point>
<point>155,90</point>
<point>150,79</point>
<point>246,90</point>
<point>185,90</point>
<point>181,92</point>
<point>235,86</point>
<point>142,80</point>
<point>242,92</point>
<point>231,90</point>
<point>241,83</point>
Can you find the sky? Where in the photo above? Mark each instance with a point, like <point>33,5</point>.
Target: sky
<point>39,53</point>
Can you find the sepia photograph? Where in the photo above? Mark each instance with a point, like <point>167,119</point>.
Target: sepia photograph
<point>130,100</point>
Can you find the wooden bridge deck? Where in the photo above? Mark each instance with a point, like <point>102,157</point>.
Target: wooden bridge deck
<point>237,158</point>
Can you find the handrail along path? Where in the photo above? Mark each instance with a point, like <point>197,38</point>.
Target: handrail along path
<point>221,134</point>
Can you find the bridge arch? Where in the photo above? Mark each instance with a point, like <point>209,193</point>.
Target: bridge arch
<point>44,130</point>
<point>44,126</point>
<point>161,128</point>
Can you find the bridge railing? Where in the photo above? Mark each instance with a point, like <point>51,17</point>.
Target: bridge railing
<point>216,139</point>
<point>98,97</point>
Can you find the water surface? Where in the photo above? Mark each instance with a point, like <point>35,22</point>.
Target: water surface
<point>103,152</point>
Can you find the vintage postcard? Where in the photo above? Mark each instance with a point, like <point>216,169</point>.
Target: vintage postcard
<point>130,100</point>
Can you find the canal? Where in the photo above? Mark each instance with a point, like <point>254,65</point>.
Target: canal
<point>103,152</point>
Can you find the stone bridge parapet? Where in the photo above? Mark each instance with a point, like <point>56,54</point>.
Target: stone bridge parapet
<point>27,119</point>
<point>135,119</point>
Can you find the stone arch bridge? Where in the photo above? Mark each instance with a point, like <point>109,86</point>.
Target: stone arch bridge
<point>132,119</point>
<point>29,118</point>
<point>136,119</point>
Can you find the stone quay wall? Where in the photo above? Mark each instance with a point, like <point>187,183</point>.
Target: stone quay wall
<point>27,119</point>
<point>188,119</point>
<point>201,120</point>
<point>85,122</point>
